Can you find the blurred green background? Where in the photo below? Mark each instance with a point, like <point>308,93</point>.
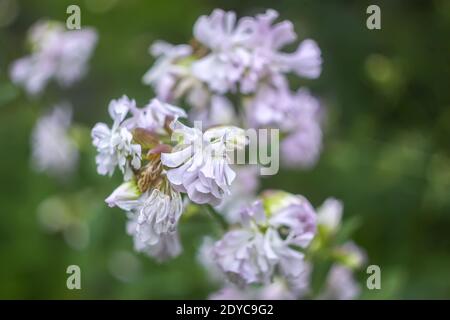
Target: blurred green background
<point>386,148</point>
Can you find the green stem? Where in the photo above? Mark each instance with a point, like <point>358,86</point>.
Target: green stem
<point>216,216</point>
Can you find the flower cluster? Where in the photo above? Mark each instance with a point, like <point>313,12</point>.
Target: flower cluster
<point>240,60</point>
<point>232,74</point>
<point>56,53</point>
<point>157,171</point>
<point>274,245</point>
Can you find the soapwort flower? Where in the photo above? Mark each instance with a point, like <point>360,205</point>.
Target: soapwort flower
<point>270,231</point>
<point>57,53</point>
<point>199,164</point>
<point>115,146</point>
<point>53,150</point>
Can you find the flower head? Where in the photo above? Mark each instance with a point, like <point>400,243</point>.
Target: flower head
<point>53,150</point>
<point>154,116</point>
<point>340,284</point>
<point>245,256</point>
<point>297,115</point>
<point>269,230</point>
<point>157,214</point>
<point>243,190</point>
<point>199,165</point>
<point>167,247</point>
<point>166,71</point>
<point>115,146</point>
<point>329,214</point>
<point>57,53</point>
<point>247,51</point>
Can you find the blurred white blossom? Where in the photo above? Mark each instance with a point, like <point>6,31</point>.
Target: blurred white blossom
<point>53,150</point>
<point>57,53</point>
<point>340,284</point>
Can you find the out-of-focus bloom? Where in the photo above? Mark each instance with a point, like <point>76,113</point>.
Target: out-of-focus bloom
<point>351,255</point>
<point>268,62</point>
<point>199,164</point>
<point>340,284</point>
<point>297,115</point>
<point>53,150</point>
<point>204,257</point>
<point>231,292</point>
<point>279,289</point>
<point>153,116</point>
<point>115,146</point>
<point>243,190</point>
<point>164,74</point>
<point>251,253</point>
<point>247,51</point>
<point>224,36</point>
<point>295,213</point>
<point>245,256</point>
<point>56,53</point>
<point>329,215</point>
<point>218,110</point>
<point>302,148</point>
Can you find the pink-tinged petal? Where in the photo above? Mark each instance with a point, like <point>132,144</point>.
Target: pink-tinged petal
<point>307,60</point>
<point>177,158</point>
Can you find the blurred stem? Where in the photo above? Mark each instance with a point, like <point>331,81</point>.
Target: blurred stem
<point>216,216</point>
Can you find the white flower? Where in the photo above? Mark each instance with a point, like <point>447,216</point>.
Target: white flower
<point>245,256</point>
<point>340,285</point>
<point>157,214</point>
<point>218,110</point>
<point>243,190</point>
<point>306,61</point>
<point>57,53</point>
<point>298,215</point>
<point>351,255</point>
<point>224,66</point>
<point>268,62</point>
<point>153,217</point>
<point>205,258</point>
<point>125,196</point>
<point>164,74</point>
<point>297,115</point>
<point>53,150</point>
<point>231,292</point>
<point>114,146</point>
<point>278,289</point>
<point>251,254</point>
<point>247,52</point>
<point>153,116</point>
<point>199,164</point>
<point>329,215</point>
